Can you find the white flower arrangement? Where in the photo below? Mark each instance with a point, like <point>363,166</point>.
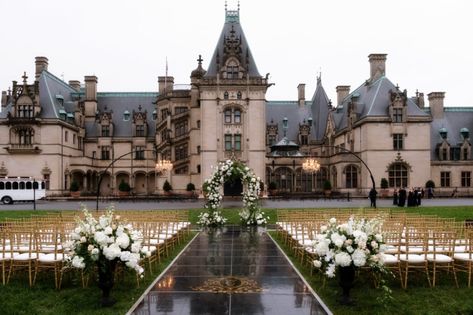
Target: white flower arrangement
<point>355,243</point>
<point>104,239</point>
<point>251,214</point>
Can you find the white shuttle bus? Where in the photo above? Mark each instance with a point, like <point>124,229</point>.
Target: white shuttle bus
<point>21,189</point>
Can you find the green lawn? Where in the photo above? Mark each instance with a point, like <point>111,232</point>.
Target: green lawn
<point>18,298</point>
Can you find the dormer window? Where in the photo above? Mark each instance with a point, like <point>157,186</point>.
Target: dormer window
<point>232,70</point>
<point>105,130</point>
<point>225,95</point>
<point>62,114</point>
<point>443,133</point>
<point>155,115</point>
<point>140,130</point>
<point>397,115</point>
<point>126,115</point>
<point>239,95</point>
<point>465,133</point>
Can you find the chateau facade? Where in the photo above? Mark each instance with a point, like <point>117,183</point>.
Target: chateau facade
<point>65,132</point>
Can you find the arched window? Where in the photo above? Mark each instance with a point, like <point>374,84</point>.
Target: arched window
<point>8,185</point>
<point>15,185</point>
<point>225,95</point>
<point>398,175</point>
<point>29,185</point>
<point>237,116</point>
<point>283,179</point>
<point>2,185</point>
<point>22,185</point>
<point>351,176</point>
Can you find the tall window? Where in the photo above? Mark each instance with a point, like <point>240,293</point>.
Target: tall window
<point>237,116</point>
<point>397,141</point>
<point>139,153</point>
<point>237,140</point>
<point>66,136</point>
<point>25,136</point>
<point>320,177</point>
<point>271,140</point>
<point>180,152</point>
<point>466,179</point>
<point>304,140</point>
<point>180,129</point>
<point>228,142</point>
<point>444,154</point>
<point>283,178</point>
<point>465,153</point>
<point>444,179</point>
<point>105,153</point>
<point>105,130</point>
<point>351,175</point>
<point>73,138</point>
<point>228,116</point>
<point>303,181</point>
<point>397,175</point>
<point>397,115</point>
<point>140,130</point>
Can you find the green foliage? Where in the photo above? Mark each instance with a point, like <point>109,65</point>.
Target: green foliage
<point>205,187</point>
<point>124,186</point>
<point>74,186</point>
<point>384,183</point>
<point>190,187</point>
<point>430,184</point>
<point>166,186</point>
<point>272,186</point>
<point>327,185</point>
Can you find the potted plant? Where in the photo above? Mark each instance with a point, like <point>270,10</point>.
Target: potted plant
<point>74,189</point>
<point>327,188</point>
<point>167,187</point>
<point>124,189</point>
<point>384,187</point>
<point>190,188</point>
<point>272,188</point>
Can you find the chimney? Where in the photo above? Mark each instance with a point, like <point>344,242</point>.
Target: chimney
<point>4,99</point>
<point>165,84</point>
<point>436,104</point>
<point>342,92</point>
<point>420,100</point>
<point>377,66</point>
<point>301,94</point>
<point>90,87</point>
<point>41,64</point>
<point>75,84</point>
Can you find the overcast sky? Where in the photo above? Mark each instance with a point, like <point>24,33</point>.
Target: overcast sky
<point>125,43</point>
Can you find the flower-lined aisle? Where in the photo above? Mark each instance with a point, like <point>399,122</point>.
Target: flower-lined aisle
<point>230,170</point>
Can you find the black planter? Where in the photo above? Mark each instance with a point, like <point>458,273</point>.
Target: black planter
<point>346,280</point>
<point>106,271</point>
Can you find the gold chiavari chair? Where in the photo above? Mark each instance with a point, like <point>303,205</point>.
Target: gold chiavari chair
<point>463,262</point>
<point>440,255</point>
<point>22,248</point>
<point>414,253</point>
<point>49,253</point>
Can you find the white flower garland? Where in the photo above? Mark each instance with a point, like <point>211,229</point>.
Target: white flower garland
<point>251,214</point>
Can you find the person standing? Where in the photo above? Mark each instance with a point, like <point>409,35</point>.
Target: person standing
<point>372,196</point>
<point>395,197</point>
<point>402,197</point>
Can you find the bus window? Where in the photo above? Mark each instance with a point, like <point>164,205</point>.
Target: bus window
<point>43,185</point>
<point>22,185</point>
<point>28,185</point>
<point>2,185</point>
<point>15,185</point>
<point>35,185</point>
<point>8,185</point>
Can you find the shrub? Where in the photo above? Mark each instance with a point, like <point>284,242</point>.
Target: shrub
<point>190,187</point>
<point>74,186</point>
<point>430,184</point>
<point>166,186</point>
<point>327,185</point>
<point>384,183</point>
<point>205,187</point>
<point>272,186</point>
<point>124,186</point>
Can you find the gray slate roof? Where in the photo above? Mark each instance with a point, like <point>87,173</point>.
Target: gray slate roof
<point>317,109</point>
<point>455,118</point>
<point>373,100</point>
<point>227,27</point>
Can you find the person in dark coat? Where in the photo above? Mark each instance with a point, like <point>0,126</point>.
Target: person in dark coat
<point>402,197</point>
<point>395,197</point>
<point>372,196</point>
<point>418,197</point>
<point>411,198</point>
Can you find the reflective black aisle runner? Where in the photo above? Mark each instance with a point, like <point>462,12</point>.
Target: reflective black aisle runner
<point>233,270</point>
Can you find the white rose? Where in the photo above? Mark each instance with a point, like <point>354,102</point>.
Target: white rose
<point>317,263</point>
<point>78,262</point>
<point>332,221</point>
<point>342,259</point>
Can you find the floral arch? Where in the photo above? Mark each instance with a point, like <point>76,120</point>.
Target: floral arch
<point>229,170</point>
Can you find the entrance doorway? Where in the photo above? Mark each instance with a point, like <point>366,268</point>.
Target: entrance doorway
<point>233,187</point>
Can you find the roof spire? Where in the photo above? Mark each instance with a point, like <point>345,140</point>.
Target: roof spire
<point>25,82</point>
<point>232,16</point>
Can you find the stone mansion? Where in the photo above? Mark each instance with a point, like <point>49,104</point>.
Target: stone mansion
<point>70,131</point>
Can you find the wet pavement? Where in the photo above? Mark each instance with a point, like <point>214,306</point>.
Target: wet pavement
<point>232,270</point>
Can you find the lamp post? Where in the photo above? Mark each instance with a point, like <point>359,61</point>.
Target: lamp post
<point>161,166</point>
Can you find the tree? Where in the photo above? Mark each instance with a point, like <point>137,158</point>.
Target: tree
<point>327,185</point>
<point>166,186</point>
<point>74,186</point>
<point>124,186</point>
<point>384,183</point>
